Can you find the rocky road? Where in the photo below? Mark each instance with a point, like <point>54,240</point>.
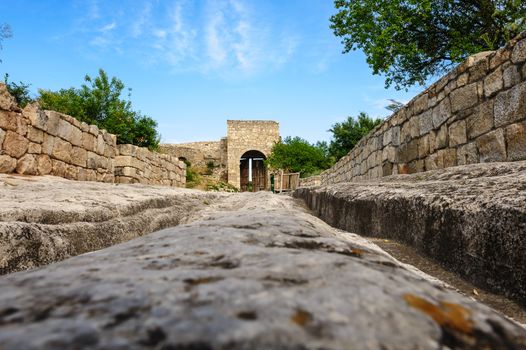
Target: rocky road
<point>250,271</point>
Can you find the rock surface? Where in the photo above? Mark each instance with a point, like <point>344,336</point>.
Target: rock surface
<point>47,219</point>
<point>471,219</point>
<point>252,272</point>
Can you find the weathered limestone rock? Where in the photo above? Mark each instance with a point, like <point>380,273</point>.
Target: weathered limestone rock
<point>471,219</point>
<point>256,273</point>
<point>481,121</point>
<point>7,102</point>
<point>519,52</point>
<point>457,133</point>
<point>14,144</point>
<point>63,218</point>
<point>8,120</point>
<point>27,165</point>
<point>493,83</point>
<point>441,113</point>
<point>492,147</point>
<point>62,150</point>
<point>7,164</point>
<point>516,141</point>
<point>44,165</point>
<point>511,76</point>
<point>510,105</point>
<point>464,97</point>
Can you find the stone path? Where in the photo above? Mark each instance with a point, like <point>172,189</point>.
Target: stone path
<point>254,271</point>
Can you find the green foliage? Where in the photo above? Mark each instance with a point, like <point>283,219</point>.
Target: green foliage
<point>410,40</point>
<point>297,155</point>
<point>192,177</point>
<point>221,187</point>
<point>99,102</point>
<point>347,134</point>
<point>19,91</point>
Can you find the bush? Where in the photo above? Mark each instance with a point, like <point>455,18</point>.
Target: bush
<point>99,102</point>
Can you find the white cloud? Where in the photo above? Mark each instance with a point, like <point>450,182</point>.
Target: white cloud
<point>108,27</point>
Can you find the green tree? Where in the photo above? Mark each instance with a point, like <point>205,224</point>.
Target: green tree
<point>5,33</point>
<point>99,102</point>
<point>297,155</point>
<point>19,91</point>
<point>411,40</point>
<point>347,134</point>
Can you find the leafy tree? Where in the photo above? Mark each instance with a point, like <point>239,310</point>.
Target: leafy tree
<point>19,91</point>
<point>99,102</point>
<point>297,155</point>
<point>411,40</point>
<point>347,134</point>
<point>5,33</point>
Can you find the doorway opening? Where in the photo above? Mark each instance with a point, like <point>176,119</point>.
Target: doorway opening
<point>253,174</point>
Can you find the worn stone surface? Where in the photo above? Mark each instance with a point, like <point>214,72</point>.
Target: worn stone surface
<point>27,165</point>
<point>471,218</point>
<point>516,141</point>
<point>464,97</point>
<point>492,147</point>
<point>46,219</point>
<point>255,272</point>
<point>510,105</point>
<point>7,164</point>
<point>15,145</point>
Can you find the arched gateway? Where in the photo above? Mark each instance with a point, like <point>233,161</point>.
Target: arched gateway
<point>253,173</point>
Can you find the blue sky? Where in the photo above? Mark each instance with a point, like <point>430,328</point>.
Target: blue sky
<point>193,64</point>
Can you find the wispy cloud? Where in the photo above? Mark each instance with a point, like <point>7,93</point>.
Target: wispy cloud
<point>225,38</point>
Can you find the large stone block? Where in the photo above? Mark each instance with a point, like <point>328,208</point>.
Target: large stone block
<point>518,54</point>
<point>423,146</point>
<point>69,132</point>
<point>493,83</point>
<point>7,163</point>
<point>62,150</point>
<point>44,164</point>
<point>15,145</point>
<point>2,136</point>
<point>100,145</point>
<point>408,151</point>
<point>448,157</point>
<point>467,154</point>
<point>420,104</point>
<point>47,144</point>
<point>8,120</point>
<point>79,156</point>
<point>426,122</point>
<point>492,147</point>
<point>35,135</point>
<point>500,56</point>
<point>511,76</point>
<point>441,113</point>
<point>441,137</point>
<point>457,133</point>
<point>58,168</point>
<point>516,141</point>
<point>89,142</point>
<point>27,165</point>
<point>34,148</point>
<point>37,118</point>
<point>464,97</point>
<point>481,121</point>
<point>53,122</point>
<point>510,105</point>
<point>94,161</point>
<point>7,102</point>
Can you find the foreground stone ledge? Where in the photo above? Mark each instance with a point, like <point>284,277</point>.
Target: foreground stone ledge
<point>471,219</point>
<point>256,272</point>
<point>46,219</point>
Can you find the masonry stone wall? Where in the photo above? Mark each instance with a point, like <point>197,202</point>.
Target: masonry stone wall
<point>476,113</point>
<point>197,153</point>
<point>248,135</point>
<point>310,181</point>
<point>38,142</point>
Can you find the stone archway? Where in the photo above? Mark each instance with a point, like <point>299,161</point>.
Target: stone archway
<point>252,170</point>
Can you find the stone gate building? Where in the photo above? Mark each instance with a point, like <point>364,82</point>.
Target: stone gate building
<point>239,155</point>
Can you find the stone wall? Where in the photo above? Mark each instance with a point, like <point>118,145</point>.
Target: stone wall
<point>310,181</point>
<point>197,153</point>
<point>248,135</point>
<point>38,142</point>
<point>476,113</point>
<point>138,165</point>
